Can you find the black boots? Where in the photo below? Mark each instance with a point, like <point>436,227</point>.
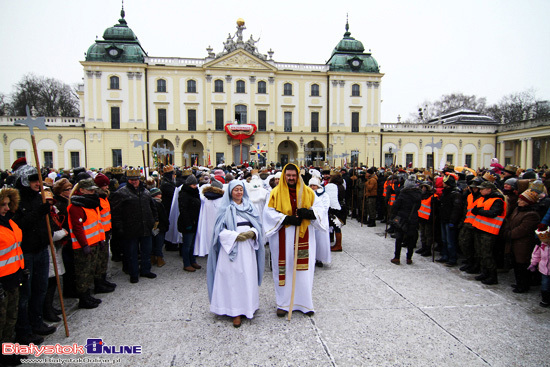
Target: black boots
<point>87,301</point>
<point>49,313</point>
<point>491,278</point>
<point>545,299</point>
<point>103,286</point>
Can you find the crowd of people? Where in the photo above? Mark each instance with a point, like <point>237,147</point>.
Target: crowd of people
<point>496,219</point>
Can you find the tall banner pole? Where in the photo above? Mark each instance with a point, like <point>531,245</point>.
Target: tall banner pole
<point>41,124</point>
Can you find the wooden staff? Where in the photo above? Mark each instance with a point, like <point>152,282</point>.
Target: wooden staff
<point>296,240</point>
<point>363,205</point>
<point>33,123</point>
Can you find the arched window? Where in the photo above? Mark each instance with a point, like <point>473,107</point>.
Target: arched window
<point>114,82</point>
<point>240,113</point>
<point>287,89</point>
<point>262,87</point>
<point>161,85</point>
<point>240,86</point>
<point>355,90</point>
<point>191,86</point>
<point>218,86</point>
<point>315,90</point>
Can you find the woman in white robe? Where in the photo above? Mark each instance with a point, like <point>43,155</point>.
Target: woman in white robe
<point>236,259</point>
<point>210,202</point>
<point>322,238</point>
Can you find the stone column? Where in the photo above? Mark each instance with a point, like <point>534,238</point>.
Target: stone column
<point>529,155</point>
<point>522,150</point>
<point>502,152</point>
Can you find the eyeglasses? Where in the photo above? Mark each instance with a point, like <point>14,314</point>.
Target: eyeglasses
<point>67,189</point>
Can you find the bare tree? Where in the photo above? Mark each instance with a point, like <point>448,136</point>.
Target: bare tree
<point>448,102</point>
<point>518,107</point>
<point>50,97</point>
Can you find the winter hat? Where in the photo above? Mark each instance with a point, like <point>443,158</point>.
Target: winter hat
<point>101,180</point>
<point>61,185</point>
<point>370,171</point>
<point>81,176</point>
<point>538,186</point>
<point>220,178</point>
<point>229,177</point>
<point>487,185</point>
<point>543,232</point>
<point>217,184</point>
<point>191,180</point>
<point>512,182</point>
<point>278,175</point>
<point>27,174</point>
<point>48,182</point>
<point>449,180</point>
<point>87,184</point>
<point>155,191</point>
<point>18,163</point>
<point>314,181</point>
<point>529,175</point>
<point>410,182</point>
<point>529,196</point>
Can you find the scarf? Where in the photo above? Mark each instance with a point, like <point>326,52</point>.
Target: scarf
<point>285,200</point>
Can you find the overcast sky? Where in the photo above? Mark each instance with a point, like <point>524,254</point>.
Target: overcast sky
<point>425,48</point>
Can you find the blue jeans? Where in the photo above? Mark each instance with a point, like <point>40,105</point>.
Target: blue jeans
<point>545,283</point>
<point>187,249</point>
<point>131,247</point>
<point>448,237</point>
<point>158,242</point>
<point>33,292</point>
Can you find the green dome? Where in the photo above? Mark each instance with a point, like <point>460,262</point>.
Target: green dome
<point>119,44</point>
<point>349,55</point>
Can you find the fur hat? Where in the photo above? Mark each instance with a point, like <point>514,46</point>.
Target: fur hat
<point>61,185</point>
<point>27,174</point>
<point>529,196</point>
<point>410,182</point>
<point>543,232</point>
<point>13,194</point>
<point>87,184</point>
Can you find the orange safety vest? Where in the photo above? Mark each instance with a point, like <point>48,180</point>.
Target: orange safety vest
<point>470,205</point>
<point>486,224</point>
<point>425,208</point>
<point>386,183</point>
<point>105,214</point>
<point>93,229</point>
<point>11,255</point>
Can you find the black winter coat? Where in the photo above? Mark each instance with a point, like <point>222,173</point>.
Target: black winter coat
<point>167,187</point>
<point>164,221</point>
<point>406,206</point>
<point>31,218</point>
<point>189,202</point>
<point>133,212</point>
<point>450,205</point>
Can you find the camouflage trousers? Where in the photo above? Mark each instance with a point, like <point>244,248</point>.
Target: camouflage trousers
<point>484,246</point>
<point>371,207</point>
<point>103,257</point>
<point>86,269</point>
<point>466,242</point>
<point>426,233</point>
<point>8,315</point>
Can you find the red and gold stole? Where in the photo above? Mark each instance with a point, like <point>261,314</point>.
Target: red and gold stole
<point>303,245</point>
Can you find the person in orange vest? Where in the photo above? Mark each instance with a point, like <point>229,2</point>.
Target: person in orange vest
<point>425,218</point>
<point>489,211</point>
<point>466,234</point>
<point>87,237</point>
<point>11,270</point>
<point>101,284</point>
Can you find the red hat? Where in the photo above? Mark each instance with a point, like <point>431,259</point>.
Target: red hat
<point>18,163</point>
<point>220,178</point>
<point>101,180</point>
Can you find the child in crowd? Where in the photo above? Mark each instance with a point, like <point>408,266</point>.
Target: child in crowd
<point>541,257</point>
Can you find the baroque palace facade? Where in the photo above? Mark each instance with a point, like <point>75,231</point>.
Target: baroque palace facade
<point>241,105</point>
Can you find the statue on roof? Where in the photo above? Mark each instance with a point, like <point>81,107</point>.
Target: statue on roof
<point>231,44</point>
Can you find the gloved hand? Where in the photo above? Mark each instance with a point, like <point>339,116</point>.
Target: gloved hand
<point>25,274</point>
<point>102,245</point>
<point>248,235</point>
<point>43,209</point>
<point>292,220</point>
<point>475,210</point>
<point>532,268</point>
<point>87,250</point>
<point>156,225</point>
<point>305,213</point>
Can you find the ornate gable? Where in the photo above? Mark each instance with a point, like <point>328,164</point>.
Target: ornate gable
<point>240,59</point>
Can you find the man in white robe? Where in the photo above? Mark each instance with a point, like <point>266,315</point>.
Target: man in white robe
<point>210,203</point>
<point>293,207</point>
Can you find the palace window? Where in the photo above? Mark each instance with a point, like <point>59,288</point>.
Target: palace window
<point>115,117</point>
<point>288,121</point>
<point>262,120</point>
<point>287,90</point>
<point>162,118</point>
<point>450,158</point>
<point>315,90</point>
<point>218,86</point>
<point>468,160</point>
<point>117,157</point>
<point>75,159</point>
<point>192,120</point>
<point>408,159</point>
<point>219,119</point>
<point>262,87</point>
<point>240,113</point>
<point>191,86</point>
<point>355,90</point>
<point>113,82</point>
<point>48,159</point>
<point>355,122</point>
<point>240,86</point>
<point>161,85</point>
<point>315,122</point>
